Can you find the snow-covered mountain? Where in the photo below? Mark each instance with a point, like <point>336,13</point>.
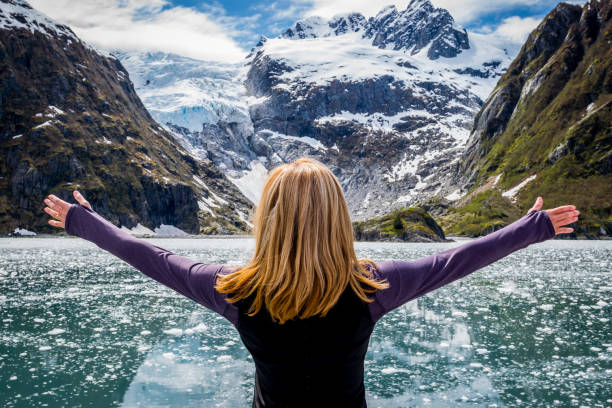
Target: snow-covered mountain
<point>387,102</point>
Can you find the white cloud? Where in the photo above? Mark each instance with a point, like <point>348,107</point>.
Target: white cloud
<point>465,11</point>
<point>148,25</point>
<point>329,8</point>
<point>516,29</point>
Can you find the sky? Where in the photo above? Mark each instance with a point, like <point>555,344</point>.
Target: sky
<point>225,30</point>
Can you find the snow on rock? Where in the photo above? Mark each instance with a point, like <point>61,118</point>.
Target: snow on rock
<point>252,182</point>
<point>455,195</point>
<point>23,231</point>
<point>496,180</point>
<point>203,207</point>
<point>301,139</point>
<point>15,14</point>
<point>511,194</point>
<point>18,14</point>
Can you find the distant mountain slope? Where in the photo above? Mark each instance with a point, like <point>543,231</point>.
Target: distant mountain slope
<point>387,102</point>
<point>546,129</point>
<point>70,118</point>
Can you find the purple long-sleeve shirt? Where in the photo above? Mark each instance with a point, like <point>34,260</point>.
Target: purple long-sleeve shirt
<point>408,279</point>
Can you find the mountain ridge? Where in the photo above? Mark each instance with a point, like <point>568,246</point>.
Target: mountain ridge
<point>70,118</point>
<point>546,128</point>
<point>383,119</point>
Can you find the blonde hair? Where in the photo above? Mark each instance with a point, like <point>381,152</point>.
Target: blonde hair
<point>304,256</point>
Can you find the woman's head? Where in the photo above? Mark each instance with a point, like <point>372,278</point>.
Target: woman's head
<point>304,256</point>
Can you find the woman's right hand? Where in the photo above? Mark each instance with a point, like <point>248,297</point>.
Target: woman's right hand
<point>58,208</point>
<point>566,214</point>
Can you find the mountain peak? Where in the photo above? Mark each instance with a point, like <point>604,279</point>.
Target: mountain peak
<point>16,14</point>
<point>418,26</point>
<point>386,11</point>
<point>413,29</point>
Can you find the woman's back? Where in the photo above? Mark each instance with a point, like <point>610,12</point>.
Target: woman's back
<point>317,361</point>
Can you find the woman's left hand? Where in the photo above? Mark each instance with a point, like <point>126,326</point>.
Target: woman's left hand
<point>58,208</point>
<point>560,216</point>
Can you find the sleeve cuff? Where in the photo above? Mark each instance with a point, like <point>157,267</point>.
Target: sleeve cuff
<point>551,227</point>
<point>67,223</point>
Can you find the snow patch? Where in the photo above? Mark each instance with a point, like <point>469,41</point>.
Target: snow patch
<point>302,139</point>
<point>23,231</point>
<point>376,121</point>
<point>497,179</point>
<point>32,20</point>
<point>165,230</point>
<point>455,195</point>
<point>174,332</point>
<point>47,123</point>
<point>139,229</point>
<point>251,182</point>
<point>511,194</point>
<point>203,207</point>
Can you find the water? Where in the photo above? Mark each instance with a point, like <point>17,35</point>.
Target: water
<point>80,327</point>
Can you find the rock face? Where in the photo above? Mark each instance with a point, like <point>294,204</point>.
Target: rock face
<point>385,102</point>
<point>70,118</point>
<point>417,27</point>
<point>405,224</point>
<point>547,128</point>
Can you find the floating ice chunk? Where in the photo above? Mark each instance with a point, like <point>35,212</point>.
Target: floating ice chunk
<point>56,331</point>
<point>174,331</point>
<point>200,328</point>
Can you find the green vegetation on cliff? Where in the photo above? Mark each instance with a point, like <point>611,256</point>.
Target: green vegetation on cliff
<point>550,116</point>
<point>405,224</point>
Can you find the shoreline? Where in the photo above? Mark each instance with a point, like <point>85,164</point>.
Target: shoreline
<point>449,238</point>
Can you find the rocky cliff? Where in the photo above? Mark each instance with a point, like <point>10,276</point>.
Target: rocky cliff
<point>546,129</point>
<point>70,118</point>
<point>405,224</point>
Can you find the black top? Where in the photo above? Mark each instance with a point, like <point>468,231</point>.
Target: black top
<point>314,362</point>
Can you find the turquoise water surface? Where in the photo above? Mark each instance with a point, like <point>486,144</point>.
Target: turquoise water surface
<point>81,328</point>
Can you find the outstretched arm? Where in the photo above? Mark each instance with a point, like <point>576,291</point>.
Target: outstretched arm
<point>411,279</point>
<point>184,275</point>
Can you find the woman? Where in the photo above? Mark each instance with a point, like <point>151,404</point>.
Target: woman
<point>304,306</point>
